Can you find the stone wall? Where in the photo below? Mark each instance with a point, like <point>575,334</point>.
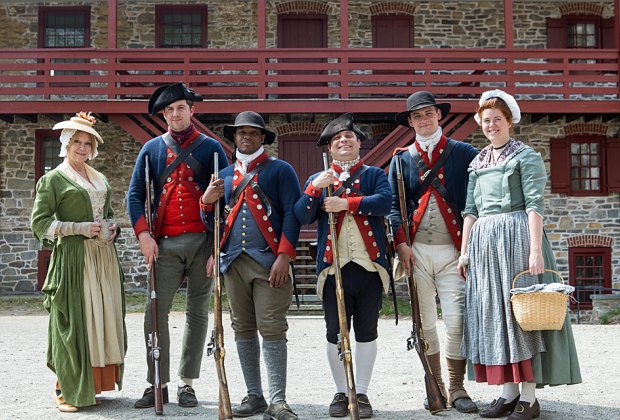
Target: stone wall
<point>18,247</point>
<point>232,24</point>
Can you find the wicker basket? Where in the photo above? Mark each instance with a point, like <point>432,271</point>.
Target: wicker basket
<point>538,311</point>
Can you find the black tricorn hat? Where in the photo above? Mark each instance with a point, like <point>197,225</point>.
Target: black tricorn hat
<point>418,100</point>
<point>342,123</point>
<point>167,94</point>
<point>250,119</point>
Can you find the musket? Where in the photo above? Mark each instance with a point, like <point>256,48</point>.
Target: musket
<point>436,402</point>
<point>216,345</point>
<point>153,341</point>
<point>389,232</point>
<point>344,342</point>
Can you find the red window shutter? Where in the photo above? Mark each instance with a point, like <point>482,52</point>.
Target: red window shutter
<point>560,166</point>
<point>612,151</point>
<point>608,33</point>
<point>556,33</point>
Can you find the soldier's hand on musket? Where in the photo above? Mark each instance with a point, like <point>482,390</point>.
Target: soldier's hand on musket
<point>279,271</point>
<point>148,247</point>
<point>335,204</point>
<point>210,266</point>
<point>406,258</point>
<point>214,191</point>
<point>323,180</point>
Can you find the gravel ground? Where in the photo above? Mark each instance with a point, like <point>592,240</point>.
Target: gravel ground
<point>397,388</point>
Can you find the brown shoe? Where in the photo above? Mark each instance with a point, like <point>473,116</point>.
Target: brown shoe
<point>500,408</point>
<point>364,406</point>
<point>339,406</point>
<point>61,404</point>
<point>524,411</point>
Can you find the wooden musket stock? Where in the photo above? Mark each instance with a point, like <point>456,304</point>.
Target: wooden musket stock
<point>216,345</point>
<point>344,343</point>
<point>153,341</point>
<point>436,402</point>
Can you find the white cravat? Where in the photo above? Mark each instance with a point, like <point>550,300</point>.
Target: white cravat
<point>428,143</point>
<point>244,160</point>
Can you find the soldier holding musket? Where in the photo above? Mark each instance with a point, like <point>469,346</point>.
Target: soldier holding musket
<point>258,243</point>
<point>434,169</point>
<point>180,164</point>
<point>360,201</point>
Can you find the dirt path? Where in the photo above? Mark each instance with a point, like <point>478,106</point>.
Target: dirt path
<point>396,392</point>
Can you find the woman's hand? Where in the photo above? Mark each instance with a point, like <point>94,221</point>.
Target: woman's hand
<point>462,265</point>
<point>536,263</point>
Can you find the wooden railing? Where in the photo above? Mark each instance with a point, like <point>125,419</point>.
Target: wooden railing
<point>331,74</point>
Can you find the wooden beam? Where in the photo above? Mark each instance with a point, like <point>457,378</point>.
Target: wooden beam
<point>33,118</point>
<point>303,106</point>
<point>534,118</point>
<point>344,23</point>
<point>261,24</point>
<point>112,19</point>
<point>508,24</point>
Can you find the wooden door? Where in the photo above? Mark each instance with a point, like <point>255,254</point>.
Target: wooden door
<point>302,31</point>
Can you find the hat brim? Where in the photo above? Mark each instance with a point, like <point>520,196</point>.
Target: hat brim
<point>77,126</point>
<point>229,132</point>
<point>402,118</point>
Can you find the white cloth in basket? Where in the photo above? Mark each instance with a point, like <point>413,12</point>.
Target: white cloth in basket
<point>551,287</point>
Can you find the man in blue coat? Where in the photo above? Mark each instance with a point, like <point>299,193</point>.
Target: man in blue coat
<point>258,243</point>
<point>435,174</point>
<point>361,200</point>
<point>180,165</point>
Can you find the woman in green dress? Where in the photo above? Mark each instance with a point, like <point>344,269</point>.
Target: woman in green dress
<point>502,236</point>
<point>84,285</point>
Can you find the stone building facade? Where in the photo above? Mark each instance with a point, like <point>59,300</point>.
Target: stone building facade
<point>232,25</point>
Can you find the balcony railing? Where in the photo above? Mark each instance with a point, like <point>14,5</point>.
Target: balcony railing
<point>329,74</point>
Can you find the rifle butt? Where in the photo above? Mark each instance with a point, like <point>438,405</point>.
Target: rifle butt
<point>354,410</point>
<point>436,402</point>
<point>159,396</point>
<point>224,407</point>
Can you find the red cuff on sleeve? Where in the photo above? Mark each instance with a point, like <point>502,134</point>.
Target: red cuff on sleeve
<point>287,248</point>
<point>140,226</point>
<point>206,208</point>
<point>313,191</point>
<point>354,204</point>
<point>400,237</point>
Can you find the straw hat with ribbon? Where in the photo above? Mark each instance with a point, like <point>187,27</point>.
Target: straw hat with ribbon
<point>82,121</point>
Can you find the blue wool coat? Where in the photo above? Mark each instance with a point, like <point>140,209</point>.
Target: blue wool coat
<point>280,184</point>
<point>374,206</point>
<point>156,150</point>
<point>456,178</point>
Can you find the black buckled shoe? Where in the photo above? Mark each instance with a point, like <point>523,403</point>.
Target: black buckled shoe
<point>250,405</point>
<point>523,411</point>
<point>280,411</point>
<point>186,396</point>
<point>339,406</point>
<point>148,398</point>
<point>364,406</point>
<point>500,408</point>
